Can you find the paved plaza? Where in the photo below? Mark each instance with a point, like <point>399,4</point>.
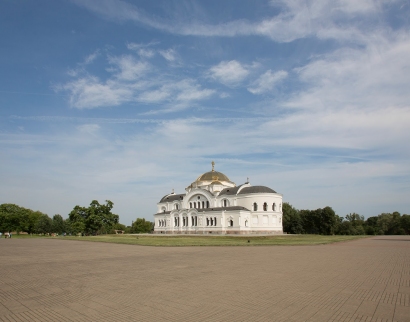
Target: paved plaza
<point>61,280</point>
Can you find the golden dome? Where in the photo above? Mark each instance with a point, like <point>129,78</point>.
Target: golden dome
<point>213,176</point>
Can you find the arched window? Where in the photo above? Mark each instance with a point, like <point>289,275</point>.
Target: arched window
<point>255,206</point>
<point>274,207</point>
<point>215,221</point>
<point>203,204</point>
<point>176,206</point>
<point>265,206</point>
<point>231,223</point>
<point>246,223</point>
<point>194,204</point>
<point>207,204</point>
<point>224,202</point>
<point>190,205</point>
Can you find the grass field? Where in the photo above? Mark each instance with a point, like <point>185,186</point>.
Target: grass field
<point>161,240</point>
<point>24,236</point>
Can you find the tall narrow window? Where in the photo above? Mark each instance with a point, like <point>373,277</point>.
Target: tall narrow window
<point>215,221</point>
<point>265,206</point>
<point>190,205</point>
<point>194,204</point>
<point>231,223</point>
<point>255,206</point>
<point>224,202</point>
<point>274,207</point>
<point>203,204</point>
<point>207,204</point>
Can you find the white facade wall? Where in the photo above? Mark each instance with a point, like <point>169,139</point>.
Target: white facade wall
<point>203,220</point>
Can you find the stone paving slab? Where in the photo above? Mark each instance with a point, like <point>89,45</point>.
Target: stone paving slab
<point>58,280</point>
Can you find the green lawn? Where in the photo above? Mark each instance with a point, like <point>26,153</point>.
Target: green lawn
<point>24,236</point>
<point>178,240</point>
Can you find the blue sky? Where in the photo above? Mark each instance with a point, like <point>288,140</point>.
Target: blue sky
<point>127,100</point>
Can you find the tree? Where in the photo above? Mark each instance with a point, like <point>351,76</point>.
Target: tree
<point>141,226</point>
<point>320,221</point>
<point>292,222</point>
<point>119,226</point>
<point>371,225</point>
<point>355,219</point>
<point>405,224</point>
<point>351,225</point>
<point>12,217</point>
<point>58,225</point>
<point>96,219</point>
<point>33,218</point>
<point>44,225</point>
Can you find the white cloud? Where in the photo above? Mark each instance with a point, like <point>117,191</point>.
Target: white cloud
<point>370,78</point>
<point>179,94</point>
<point>89,128</point>
<point>169,54</point>
<point>229,73</point>
<point>155,96</point>
<point>267,82</point>
<point>129,68</point>
<point>90,58</point>
<point>192,92</point>
<point>91,93</point>
<point>147,53</point>
<point>297,19</point>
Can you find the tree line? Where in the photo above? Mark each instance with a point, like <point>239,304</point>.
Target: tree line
<point>325,221</point>
<point>93,220</point>
<point>99,219</point>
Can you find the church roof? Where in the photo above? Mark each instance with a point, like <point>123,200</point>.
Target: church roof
<point>162,213</point>
<point>230,191</point>
<point>213,176</point>
<point>172,197</point>
<point>256,189</point>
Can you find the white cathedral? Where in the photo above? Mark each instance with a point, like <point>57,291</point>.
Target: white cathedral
<point>213,204</point>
